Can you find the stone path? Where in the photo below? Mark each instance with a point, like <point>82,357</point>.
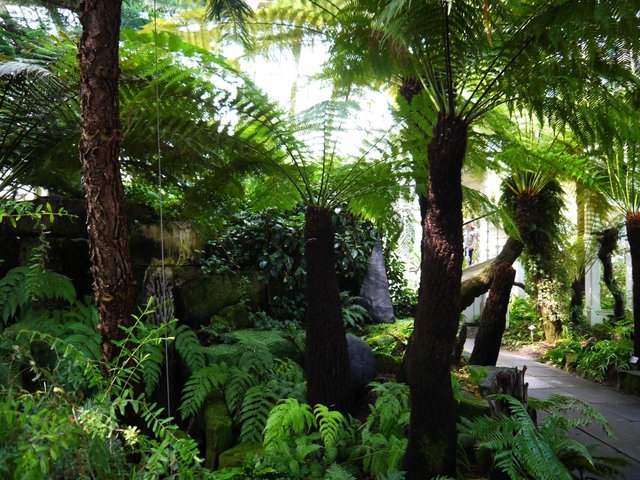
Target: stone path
<point>622,411</point>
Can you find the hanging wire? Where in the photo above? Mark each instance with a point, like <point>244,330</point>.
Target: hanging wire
<point>161,201</point>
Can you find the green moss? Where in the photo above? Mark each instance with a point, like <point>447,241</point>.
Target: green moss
<point>234,457</point>
<point>472,407</point>
<point>387,363</point>
<point>236,316</point>
<point>204,295</point>
<point>218,431</point>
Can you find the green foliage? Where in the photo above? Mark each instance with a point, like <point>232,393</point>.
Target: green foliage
<point>557,355</point>
<point>252,384</point>
<point>522,314</point>
<point>272,244</point>
<point>403,298</point>
<point>74,429</point>
<point>354,315</point>
<point>390,339</point>
<point>523,450</point>
<point>32,288</point>
<point>305,442</point>
<point>604,358</point>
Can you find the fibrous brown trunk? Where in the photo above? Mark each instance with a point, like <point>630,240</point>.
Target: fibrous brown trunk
<point>327,358</point>
<point>480,283</point>
<point>608,244</point>
<point>633,236</point>
<point>432,435</point>
<point>99,154</point>
<point>494,316</point>
<point>576,303</point>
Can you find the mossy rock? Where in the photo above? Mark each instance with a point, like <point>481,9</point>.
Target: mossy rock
<point>472,407</point>
<point>235,456</point>
<point>388,363</point>
<point>383,343</point>
<point>199,296</point>
<point>236,316</point>
<point>218,431</point>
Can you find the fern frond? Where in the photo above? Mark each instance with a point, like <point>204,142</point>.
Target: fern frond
<point>256,406</point>
<point>338,472</point>
<point>200,385</point>
<point>289,416</point>
<point>189,348</point>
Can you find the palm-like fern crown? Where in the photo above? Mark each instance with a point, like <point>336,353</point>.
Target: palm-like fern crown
<point>323,165</point>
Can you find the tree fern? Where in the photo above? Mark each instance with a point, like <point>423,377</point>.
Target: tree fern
<point>200,385</point>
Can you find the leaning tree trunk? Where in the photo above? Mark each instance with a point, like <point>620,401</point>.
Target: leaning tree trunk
<point>608,244</point>
<point>478,284</point>
<point>99,150</point>
<point>327,358</point>
<point>432,433</point>
<point>494,317</point>
<point>633,236</point>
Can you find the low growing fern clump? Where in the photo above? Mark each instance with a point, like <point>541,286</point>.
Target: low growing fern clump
<point>301,441</point>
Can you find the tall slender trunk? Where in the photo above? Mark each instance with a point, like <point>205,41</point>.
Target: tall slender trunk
<point>633,236</point>
<point>494,318</point>
<point>99,154</point>
<point>432,434</point>
<point>608,240</point>
<point>327,358</point>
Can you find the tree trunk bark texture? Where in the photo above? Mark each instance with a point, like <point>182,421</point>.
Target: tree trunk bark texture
<point>432,434</point>
<point>494,316</point>
<point>633,236</point>
<point>608,240</point>
<point>327,357</point>
<point>480,283</point>
<point>99,155</point>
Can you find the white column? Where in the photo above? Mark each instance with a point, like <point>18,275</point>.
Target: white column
<point>593,311</point>
<point>517,291</point>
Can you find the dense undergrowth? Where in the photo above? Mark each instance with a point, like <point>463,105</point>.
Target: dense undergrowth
<point>65,414</point>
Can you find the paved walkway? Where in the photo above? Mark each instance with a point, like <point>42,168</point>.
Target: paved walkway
<point>622,411</point>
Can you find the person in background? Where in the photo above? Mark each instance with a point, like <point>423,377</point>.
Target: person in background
<point>470,237</point>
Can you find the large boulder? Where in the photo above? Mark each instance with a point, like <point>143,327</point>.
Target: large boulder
<point>198,295</point>
<point>363,363</point>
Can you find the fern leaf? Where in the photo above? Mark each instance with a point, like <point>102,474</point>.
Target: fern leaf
<point>338,472</point>
<point>189,348</point>
<point>200,385</point>
<point>257,404</point>
<point>288,416</point>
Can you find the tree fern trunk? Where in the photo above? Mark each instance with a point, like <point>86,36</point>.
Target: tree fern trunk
<point>99,149</point>
<point>494,316</point>
<point>608,244</point>
<point>432,435</point>
<point>633,236</point>
<point>327,358</point>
